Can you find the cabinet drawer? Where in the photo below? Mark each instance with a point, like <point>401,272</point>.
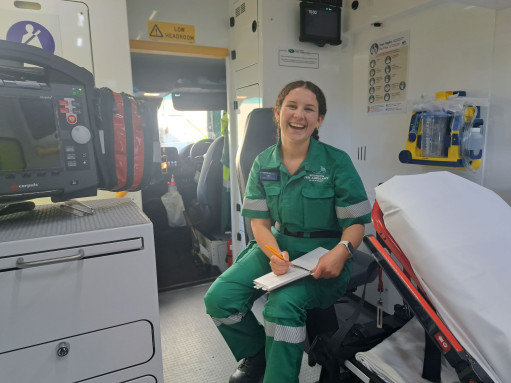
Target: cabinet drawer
<point>44,303</point>
<point>89,355</point>
<point>68,254</point>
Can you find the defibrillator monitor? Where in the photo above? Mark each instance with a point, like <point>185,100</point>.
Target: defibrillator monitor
<point>320,23</point>
<point>45,126</point>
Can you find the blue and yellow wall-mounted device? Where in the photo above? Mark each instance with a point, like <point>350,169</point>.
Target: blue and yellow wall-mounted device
<point>448,132</point>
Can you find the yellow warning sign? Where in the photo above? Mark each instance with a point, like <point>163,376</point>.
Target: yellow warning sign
<point>180,33</point>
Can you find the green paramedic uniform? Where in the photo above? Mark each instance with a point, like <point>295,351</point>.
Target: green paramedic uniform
<point>325,194</point>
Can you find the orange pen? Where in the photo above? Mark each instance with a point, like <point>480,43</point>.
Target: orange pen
<point>274,252</point>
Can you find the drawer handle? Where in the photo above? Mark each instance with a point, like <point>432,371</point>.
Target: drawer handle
<point>24,265</point>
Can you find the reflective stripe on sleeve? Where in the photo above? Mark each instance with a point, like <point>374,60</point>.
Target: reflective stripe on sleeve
<point>354,211</point>
<point>255,204</point>
<point>233,319</point>
<point>287,334</point>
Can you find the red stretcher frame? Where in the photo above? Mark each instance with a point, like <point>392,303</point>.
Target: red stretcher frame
<point>467,368</point>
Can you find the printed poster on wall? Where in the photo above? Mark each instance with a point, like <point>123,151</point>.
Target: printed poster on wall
<point>388,64</point>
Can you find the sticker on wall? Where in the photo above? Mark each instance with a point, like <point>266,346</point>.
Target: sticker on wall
<point>179,33</point>
<point>298,58</point>
<point>38,29</point>
<point>388,67</point>
<point>31,33</point>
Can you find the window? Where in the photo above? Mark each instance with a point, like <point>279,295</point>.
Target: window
<point>180,128</point>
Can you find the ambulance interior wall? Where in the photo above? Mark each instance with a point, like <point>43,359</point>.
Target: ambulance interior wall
<point>497,170</point>
<point>110,44</point>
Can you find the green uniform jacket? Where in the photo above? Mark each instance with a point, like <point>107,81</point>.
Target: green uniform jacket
<point>325,193</point>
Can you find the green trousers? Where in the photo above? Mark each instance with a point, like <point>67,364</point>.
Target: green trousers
<point>230,298</point>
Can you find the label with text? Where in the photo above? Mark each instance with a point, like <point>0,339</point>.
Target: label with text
<point>179,33</point>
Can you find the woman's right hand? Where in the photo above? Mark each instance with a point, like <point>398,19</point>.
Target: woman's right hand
<point>279,266</point>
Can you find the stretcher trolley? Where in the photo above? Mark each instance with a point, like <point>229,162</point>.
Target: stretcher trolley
<point>458,308</point>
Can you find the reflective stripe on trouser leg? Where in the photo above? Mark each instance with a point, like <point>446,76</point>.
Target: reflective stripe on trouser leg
<point>284,351</point>
<point>244,337</point>
<point>233,319</point>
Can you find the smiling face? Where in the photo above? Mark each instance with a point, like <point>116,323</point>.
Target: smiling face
<point>298,115</point>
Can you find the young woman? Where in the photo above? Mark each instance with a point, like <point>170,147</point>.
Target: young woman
<point>315,197</point>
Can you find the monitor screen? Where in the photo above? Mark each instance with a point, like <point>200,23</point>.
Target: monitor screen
<point>29,138</point>
<point>320,24</point>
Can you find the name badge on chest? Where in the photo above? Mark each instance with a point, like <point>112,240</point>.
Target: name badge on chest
<point>269,175</point>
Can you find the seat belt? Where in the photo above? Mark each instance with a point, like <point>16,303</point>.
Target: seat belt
<point>432,360</point>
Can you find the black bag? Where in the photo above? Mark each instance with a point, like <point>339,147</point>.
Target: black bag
<point>126,145</point>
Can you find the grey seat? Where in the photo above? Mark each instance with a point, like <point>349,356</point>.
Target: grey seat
<point>206,211</point>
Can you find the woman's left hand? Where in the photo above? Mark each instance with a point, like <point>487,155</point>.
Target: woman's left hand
<point>329,265</point>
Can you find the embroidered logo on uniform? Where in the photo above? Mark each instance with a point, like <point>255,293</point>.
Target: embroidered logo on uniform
<point>322,170</point>
<point>317,175</point>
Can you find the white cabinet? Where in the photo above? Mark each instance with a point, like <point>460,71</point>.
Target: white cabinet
<point>79,296</point>
<point>244,36</point>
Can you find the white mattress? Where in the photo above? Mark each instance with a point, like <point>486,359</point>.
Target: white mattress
<point>456,235</point>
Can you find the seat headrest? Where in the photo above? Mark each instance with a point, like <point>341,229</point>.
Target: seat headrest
<point>198,150</point>
<point>260,133</point>
<point>171,153</point>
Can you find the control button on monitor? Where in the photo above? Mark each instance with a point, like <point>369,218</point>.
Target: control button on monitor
<point>71,118</point>
<point>80,134</point>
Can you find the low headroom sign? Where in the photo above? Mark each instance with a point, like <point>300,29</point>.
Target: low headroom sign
<point>178,33</point>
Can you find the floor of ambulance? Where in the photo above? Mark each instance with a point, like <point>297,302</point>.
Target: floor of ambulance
<point>193,350</point>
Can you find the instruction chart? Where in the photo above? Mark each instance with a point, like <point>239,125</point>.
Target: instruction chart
<point>388,64</point>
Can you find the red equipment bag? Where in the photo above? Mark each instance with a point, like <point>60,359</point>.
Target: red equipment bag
<point>127,144</point>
